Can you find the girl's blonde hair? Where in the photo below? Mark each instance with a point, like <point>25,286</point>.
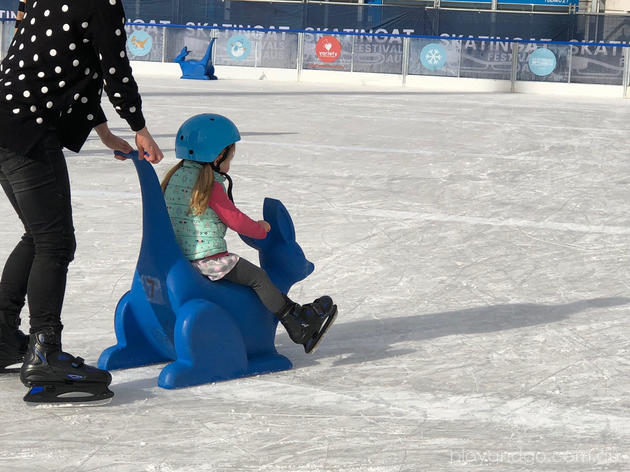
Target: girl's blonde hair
<point>201,191</point>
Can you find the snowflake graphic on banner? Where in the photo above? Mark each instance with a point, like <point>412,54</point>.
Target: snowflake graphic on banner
<point>433,56</point>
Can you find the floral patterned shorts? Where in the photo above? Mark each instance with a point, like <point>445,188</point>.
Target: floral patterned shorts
<point>216,268</point>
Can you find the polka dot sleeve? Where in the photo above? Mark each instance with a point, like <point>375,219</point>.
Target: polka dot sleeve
<point>106,27</point>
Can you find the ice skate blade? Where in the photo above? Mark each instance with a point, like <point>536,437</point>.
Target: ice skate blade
<point>73,404</point>
<point>63,396</point>
<point>318,338</point>
<point>11,368</point>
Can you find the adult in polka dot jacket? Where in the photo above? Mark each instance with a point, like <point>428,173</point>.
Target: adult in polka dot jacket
<point>52,78</point>
<point>62,55</point>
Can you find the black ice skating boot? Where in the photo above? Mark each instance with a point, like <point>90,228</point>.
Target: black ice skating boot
<point>307,324</point>
<point>13,345</point>
<point>54,376</point>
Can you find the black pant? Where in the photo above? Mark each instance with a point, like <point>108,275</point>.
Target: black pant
<point>246,273</point>
<point>38,188</point>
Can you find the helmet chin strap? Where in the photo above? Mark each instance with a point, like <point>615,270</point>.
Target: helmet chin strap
<point>216,167</point>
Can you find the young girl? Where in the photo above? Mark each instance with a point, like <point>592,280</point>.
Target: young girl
<point>201,211</point>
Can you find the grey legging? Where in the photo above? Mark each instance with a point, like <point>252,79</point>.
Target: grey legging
<point>246,273</point>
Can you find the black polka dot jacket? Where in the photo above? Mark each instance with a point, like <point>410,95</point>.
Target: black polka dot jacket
<point>52,78</point>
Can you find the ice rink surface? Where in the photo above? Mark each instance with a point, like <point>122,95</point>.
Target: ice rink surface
<point>477,246</point>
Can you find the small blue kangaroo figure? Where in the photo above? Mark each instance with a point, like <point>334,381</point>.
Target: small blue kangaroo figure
<point>202,69</point>
<point>208,331</point>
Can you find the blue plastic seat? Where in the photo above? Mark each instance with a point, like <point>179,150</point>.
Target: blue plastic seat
<point>207,331</point>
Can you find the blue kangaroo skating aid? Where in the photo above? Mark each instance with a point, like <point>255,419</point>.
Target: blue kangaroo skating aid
<point>202,69</point>
<point>207,331</point>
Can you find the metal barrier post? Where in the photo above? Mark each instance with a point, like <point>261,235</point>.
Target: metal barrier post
<point>214,34</point>
<point>459,59</point>
<point>360,11</point>
<point>300,55</point>
<point>405,60</point>
<point>514,73</point>
<point>626,70</point>
<point>164,35</point>
<point>352,54</point>
<point>256,62</point>
<point>570,63</point>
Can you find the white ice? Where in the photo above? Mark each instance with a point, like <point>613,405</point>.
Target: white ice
<point>477,247</point>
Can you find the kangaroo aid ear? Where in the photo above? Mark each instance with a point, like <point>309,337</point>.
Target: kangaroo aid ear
<point>278,216</point>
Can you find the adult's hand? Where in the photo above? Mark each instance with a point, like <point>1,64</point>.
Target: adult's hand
<point>113,142</point>
<point>147,145</point>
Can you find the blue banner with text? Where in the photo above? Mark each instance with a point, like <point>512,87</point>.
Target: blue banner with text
<point>325,17</point>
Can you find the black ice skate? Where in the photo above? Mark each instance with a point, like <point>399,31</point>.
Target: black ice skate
<point>307,324</point>
<point>13,345</point>
<point>54,376</point>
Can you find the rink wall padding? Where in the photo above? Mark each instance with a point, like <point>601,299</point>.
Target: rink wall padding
<point>427,83</point>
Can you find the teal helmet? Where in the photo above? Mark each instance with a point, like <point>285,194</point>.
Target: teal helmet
<point>202,137</point>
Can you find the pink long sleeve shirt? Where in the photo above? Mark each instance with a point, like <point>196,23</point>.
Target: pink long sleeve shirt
<point>232,217</point>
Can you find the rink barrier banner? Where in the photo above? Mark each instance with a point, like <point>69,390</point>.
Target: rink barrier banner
<point>328,52</point>
<point>434,57</point>
<point>413,19</point>
<point>538,61</point>
<point>380,53</point>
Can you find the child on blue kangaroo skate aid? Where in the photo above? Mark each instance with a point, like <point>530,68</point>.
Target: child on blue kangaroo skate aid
<point>201,211</point>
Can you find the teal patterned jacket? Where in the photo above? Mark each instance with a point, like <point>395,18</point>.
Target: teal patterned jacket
<point>198,236</point>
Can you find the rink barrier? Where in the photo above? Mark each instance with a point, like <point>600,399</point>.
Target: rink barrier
<point>503,64</point>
